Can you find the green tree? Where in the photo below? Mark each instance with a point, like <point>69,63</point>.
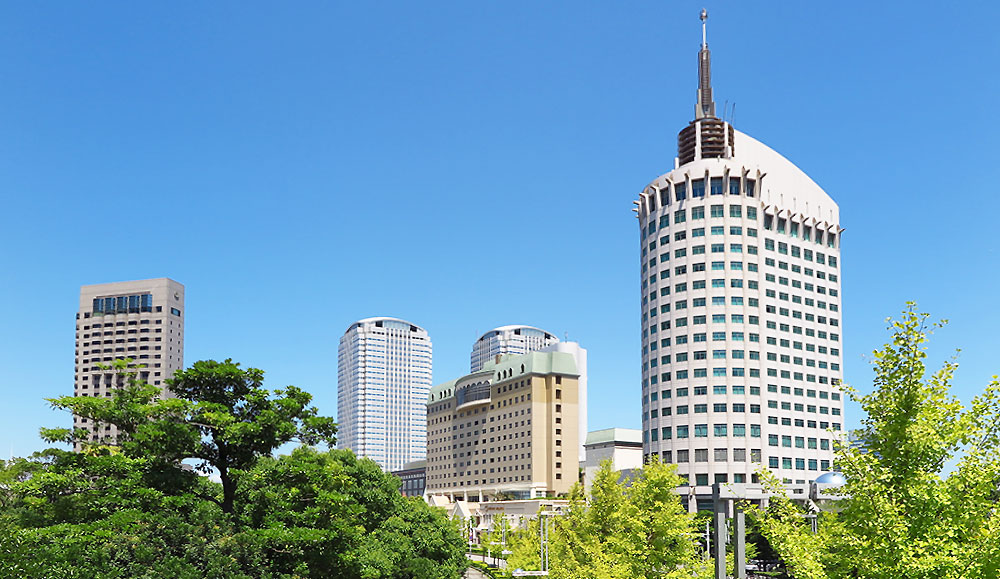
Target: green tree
<point>221,416</point>
<point>904,514</point>
<point>626,530</point>
<point>130,509</point>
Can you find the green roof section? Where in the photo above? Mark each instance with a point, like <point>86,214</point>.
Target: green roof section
<point>435,390</point>
<point>613,435</point>
<point>562,363</point>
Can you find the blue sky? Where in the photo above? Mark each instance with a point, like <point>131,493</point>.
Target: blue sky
<point>465,165</point>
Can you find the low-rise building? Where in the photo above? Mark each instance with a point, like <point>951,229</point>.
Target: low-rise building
<point>412,478</point>
<point>622,446</point>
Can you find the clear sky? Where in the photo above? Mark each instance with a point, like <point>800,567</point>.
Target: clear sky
<point>465,165</point>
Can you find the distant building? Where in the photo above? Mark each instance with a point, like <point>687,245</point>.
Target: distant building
<point>509,429</point>
<point>622,446</point>
<point>383,377</point>
<point>508,340</point>
<point>142,320</point>
<point>413,478</point>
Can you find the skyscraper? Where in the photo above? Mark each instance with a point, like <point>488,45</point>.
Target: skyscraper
<point>383,378</point>
<point>142,320</point>
<point>508,340</point>
<point>740,301</point>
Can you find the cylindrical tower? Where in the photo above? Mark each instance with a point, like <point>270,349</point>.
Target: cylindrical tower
<point>740,294</point>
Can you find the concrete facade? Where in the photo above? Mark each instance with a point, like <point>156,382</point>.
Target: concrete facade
<point>740,309</point>
<point>622,446</point>
<point>510,428</point>
<point>142,320</point>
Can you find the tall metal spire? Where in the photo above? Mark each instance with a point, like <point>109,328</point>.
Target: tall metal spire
<point>706,105</point>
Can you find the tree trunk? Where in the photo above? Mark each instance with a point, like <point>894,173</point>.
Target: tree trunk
<point>228,491</point>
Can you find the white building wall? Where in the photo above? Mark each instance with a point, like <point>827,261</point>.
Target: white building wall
<point>384,374</point>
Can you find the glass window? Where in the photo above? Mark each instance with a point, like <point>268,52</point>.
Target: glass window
<point>717,211</point>
<point>734,186</point>
<point>697,188</point>
<point>736,211</point>
<point>701,430</point>
<point>721,430</point>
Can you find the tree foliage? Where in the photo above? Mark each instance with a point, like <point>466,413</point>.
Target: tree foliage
<point>132,509</point>
<point>904,514</point>
<point>626,530</point>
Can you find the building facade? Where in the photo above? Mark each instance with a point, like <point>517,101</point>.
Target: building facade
<point>523,339</point>
<point>622,446</point>
<point>139,320</point>
<point>383,378</point>
<point>412,478</point>
<point>508,340</point>
<point>510,429</point>
<point>740,308</point>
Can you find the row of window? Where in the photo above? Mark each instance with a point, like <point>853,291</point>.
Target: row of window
<point>742,407</point>
<point>697,214</point>
<point>740,355</point>
<point>736,283</point>
<point>723,455</point>
<point>740,390</point>
<point>751,336</point>
<point>128,304</point>
<point>774,420</point>
<point>715,186</point>
<point>716,230</point>
<point>740,373</point>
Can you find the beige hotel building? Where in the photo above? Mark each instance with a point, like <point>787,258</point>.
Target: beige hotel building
<point>510,428</point>
<point>142,320</point>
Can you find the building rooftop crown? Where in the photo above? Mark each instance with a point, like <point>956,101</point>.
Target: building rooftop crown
<point>707,136</point>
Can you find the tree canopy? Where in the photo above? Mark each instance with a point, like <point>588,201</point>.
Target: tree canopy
<point>905,514</point>
<point>127,506</point>
<point>626,530</point>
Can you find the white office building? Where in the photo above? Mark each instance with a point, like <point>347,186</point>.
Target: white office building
<point>383,379</point>
<point>514,340</point>
<point>740,308</point>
